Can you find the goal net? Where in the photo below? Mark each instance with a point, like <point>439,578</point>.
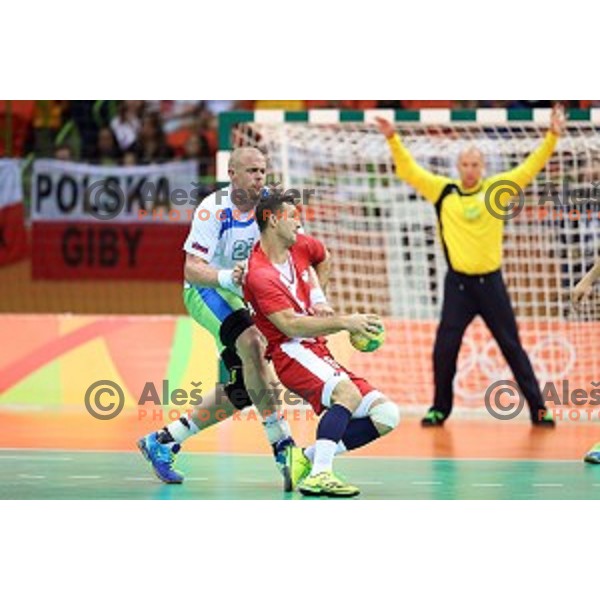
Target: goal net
<point>387,257</point>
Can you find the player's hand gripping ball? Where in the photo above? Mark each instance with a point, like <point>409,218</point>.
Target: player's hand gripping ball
<point>370,343</point>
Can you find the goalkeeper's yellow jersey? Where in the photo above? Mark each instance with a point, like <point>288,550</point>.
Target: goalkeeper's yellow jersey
<point>470,233</point>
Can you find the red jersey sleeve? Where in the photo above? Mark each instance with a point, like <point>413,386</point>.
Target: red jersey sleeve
<point>314,248</point>
<point>266,293</point>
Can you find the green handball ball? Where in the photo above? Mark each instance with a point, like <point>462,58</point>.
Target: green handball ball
<point>365,343</point>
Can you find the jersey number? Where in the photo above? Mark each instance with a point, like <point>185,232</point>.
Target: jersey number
<point>241,249</point>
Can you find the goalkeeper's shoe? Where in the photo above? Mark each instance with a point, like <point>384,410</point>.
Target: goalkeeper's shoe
<point>547,420</point>
<point>433,418</point>
<point>593,456</point>
<point>297,467</point>
<point>280,449</point>
<point>327,484</point>
<point>161,457</point>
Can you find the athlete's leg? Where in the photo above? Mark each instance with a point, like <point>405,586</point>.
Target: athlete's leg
<point>375,417</point>
<point>224,316</point>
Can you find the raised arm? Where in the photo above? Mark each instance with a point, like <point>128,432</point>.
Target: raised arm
<point>583,289</point>
<point>428,184</point>
<point>526,172</point>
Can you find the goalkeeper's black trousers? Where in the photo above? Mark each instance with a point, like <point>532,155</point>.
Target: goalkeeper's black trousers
<point>465,297</point>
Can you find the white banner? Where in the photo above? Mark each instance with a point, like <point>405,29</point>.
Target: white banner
<point>67,191</point>
<point>11,190</point>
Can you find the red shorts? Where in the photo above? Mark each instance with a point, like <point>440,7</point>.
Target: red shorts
<point>309,370</point>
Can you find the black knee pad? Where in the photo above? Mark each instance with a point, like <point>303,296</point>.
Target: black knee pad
<point>236,388</point>
<point>233,326</point>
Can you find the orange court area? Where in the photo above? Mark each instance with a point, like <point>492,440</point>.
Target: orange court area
<point>460,438</point>
<point>50,362</point>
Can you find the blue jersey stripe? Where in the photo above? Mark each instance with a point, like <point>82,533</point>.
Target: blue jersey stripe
<point>215,302</point>
<point>229,222</point>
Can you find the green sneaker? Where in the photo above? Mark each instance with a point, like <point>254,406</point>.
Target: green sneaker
<point>546,421</point>
<point>593,456</point>
<point>433,418</point>
<point>327,484</point>
<point>297,467</point>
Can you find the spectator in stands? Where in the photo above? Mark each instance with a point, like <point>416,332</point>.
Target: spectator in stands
<point>280,105</point>
<point>152,146</point>
<point>129,159</point>
<point>63,152</point>
<point>81,113</point>
<point>16,119</point>
<point>197,148</point>
<point>106,151</point>
<point>48,120</point>
<point>126,125</point>
<point>218,106</point>
<point>466,104</point>
<point>179,114</point>
<point>393,104</point>
<point>516,104</point>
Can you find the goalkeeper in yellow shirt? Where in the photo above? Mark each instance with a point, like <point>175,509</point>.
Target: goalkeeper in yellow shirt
<point>582,291</point>
<point>471,237</point>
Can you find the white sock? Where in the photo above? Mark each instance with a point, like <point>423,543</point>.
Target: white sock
<point>180,432</point>
<point>310,451</point>
<point>323,459</point>
<point>276,428</point>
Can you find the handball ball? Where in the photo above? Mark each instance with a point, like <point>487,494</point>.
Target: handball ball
<point>365,343</point>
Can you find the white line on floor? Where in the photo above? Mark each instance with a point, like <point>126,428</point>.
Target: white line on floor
<point>84,476</point>
<point>24,476</point>
<point>21,457</point>
<point>139,479</point>
<point>426,482</point>
<point>487,485</point>
<point>548,485</point>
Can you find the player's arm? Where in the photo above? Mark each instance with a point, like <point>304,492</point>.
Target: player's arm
<point>527,171</point>
<point>294,325</point>
<point>198,272</point>
<point>428,184</point>
<point>583,289</point>
<point>200,246</point>
<point>319,305</point>
<point>319,276</point>
<point>322,271</point>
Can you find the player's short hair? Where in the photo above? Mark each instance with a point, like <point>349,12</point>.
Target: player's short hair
<point>271,203</point>
<point>237,156</point>
<point>471,149</point>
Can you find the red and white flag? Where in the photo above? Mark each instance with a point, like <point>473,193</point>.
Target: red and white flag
<point>13,237</point>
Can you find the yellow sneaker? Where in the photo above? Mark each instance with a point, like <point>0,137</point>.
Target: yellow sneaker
<point>593,456</point>
<point>327,484</point>
<point>297,467</point>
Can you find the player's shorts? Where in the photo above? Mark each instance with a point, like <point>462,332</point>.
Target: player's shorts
<point>223,314</point>
<point>309,370</point>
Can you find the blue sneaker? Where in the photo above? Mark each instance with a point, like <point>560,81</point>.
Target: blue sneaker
<point>161,457</point>
<point>281,460</point>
